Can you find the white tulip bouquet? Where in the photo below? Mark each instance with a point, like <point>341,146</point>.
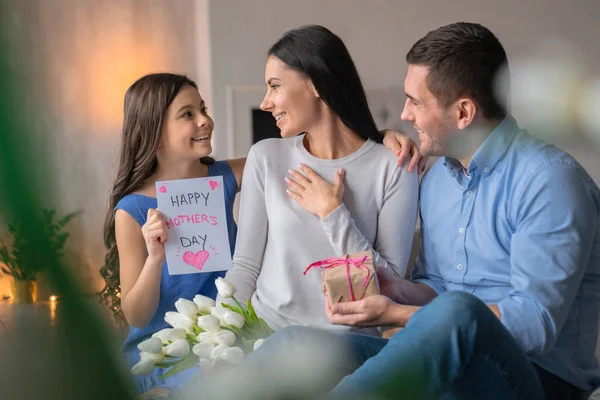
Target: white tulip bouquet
<point>203,333</point>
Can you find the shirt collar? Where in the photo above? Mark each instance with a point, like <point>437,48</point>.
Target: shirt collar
<point>494,147</point>
<point>452,166</point>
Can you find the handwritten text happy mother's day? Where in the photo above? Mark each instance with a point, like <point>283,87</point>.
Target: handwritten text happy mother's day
<point>194,210</point>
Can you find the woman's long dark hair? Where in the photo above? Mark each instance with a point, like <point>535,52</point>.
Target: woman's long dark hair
<point>146,103</point>
<point>322,56</point>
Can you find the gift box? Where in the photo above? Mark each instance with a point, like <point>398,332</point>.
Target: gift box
<point>348,278</point>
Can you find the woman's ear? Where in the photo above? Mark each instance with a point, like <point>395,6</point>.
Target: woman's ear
<point>313,89</point>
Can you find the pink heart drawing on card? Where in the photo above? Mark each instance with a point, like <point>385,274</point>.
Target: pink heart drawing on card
<point>196,260</point>
<point>162,189</point>
<point>213,184</point>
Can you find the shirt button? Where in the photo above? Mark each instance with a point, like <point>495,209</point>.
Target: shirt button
<point>462,230</point>
<point>459,267</point>
<point>470,193</point>
<point>486,169</point>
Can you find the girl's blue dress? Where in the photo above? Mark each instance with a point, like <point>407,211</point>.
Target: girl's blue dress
<point>176,286</point>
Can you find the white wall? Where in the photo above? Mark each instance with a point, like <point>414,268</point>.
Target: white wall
<point>85,62</point>
<point>83,56</point>
<point>202,70</point>
<point>378,33</point>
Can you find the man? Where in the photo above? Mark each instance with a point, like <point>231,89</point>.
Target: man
<point>508,272</point>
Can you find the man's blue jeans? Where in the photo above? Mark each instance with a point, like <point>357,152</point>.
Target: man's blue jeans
<point>453,348</point>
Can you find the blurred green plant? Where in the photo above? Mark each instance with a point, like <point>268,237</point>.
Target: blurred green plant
<point>21,258</point>
<point>72,356</point>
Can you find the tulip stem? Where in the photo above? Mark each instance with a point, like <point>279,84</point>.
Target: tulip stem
<point>245,313</point>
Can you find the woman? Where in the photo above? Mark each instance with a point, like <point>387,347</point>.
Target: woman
<point>291,213</point>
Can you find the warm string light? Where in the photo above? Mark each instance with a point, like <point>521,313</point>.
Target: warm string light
<point>53,304</point>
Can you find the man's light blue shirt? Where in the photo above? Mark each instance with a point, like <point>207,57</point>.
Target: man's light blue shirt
<point>521,229</point>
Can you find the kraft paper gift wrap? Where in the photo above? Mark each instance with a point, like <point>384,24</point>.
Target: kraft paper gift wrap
<point>348,278</point>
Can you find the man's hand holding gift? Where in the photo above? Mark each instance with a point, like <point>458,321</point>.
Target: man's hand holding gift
<point>376,310</point>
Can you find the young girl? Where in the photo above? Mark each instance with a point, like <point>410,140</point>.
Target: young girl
<point>166,135</point>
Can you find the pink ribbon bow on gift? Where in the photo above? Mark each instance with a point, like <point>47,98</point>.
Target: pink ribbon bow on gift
<point>335,261</point>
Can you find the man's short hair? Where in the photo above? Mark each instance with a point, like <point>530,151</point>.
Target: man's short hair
<point>464,59</point>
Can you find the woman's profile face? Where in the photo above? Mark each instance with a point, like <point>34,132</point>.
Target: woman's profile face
<point>290,98</point>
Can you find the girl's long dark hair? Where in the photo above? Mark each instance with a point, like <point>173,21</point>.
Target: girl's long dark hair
<point>323,57</point>
<point>146,103</point>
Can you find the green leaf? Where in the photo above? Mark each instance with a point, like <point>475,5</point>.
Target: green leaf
<point>191,338</point>
<point>244,312</point>
<point>65,219</point>
<point>198,330</point>
<point>251,311</point>
<point>254,330</point>
<point>248,345</point>
<point>233,308</point>
<point>235,330</point>
<point>266,327</point>
<point>190,361</point>
<point>167,364</point>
